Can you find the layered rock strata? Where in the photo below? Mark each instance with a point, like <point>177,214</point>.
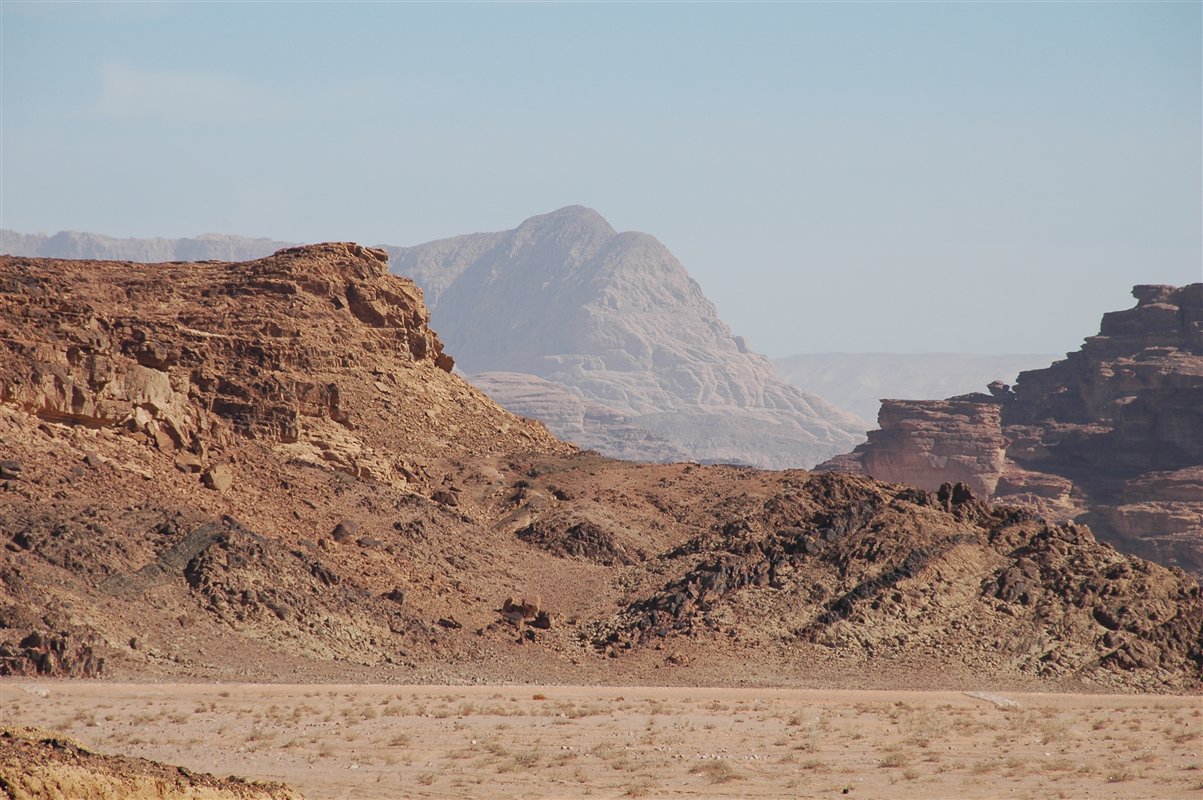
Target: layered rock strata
<point>1111,435</point>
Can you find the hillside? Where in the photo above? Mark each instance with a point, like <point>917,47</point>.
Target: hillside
<point>859,381</point>
<point>617,320</point>
<point>1112,435</point>
<point>265,471</point>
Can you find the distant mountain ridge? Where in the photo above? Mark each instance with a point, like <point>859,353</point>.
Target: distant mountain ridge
<point>616,319</point>
<point>73,244</point>
<point>859,381</point>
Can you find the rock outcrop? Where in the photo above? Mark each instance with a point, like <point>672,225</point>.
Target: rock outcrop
<point>266,471</point>
<point>1112,435</point>
<point>41,765</point>
<point>191,356</point>
<point>615,319</point>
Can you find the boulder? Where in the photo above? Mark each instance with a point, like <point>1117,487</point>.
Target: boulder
<point>218,477</point>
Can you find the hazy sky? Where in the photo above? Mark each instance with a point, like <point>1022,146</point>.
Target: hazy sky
<point>847,176</point>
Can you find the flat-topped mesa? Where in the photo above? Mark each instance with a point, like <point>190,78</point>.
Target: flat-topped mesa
<point>930,443</point>
<point>1112,434</point>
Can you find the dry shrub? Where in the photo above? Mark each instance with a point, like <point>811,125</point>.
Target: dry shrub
<point>716,772</point>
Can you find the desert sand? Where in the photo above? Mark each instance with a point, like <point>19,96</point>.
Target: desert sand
<point>389,741</point>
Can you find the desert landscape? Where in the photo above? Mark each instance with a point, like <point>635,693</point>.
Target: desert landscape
<point>601,400</point>
<point>358,575</point>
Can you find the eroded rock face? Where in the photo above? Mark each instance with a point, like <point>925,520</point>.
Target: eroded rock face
<point>616,319</point>
<point>1112,434</point>
<point>192,355</point>
<point>929,443</point>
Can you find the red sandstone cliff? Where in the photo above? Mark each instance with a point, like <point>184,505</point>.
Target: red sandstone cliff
<point>1112,435</point>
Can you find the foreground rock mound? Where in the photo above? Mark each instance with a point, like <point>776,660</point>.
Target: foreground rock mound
<point>265,471</point>
<point>1112,435</point>
<point>618,321</point>
<point>38,765</point>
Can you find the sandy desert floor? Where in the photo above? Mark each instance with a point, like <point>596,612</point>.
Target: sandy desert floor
<point>350,741</point>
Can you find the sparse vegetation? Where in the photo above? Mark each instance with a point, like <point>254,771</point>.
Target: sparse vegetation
<point>636,746</point>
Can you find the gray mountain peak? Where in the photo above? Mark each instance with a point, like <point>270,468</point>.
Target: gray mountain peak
<point>616,319</point>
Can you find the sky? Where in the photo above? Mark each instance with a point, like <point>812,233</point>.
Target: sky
<point>859,177</point>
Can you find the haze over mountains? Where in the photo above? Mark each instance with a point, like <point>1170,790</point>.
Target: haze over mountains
<point>616,319</point>
<point>860,381</point>
<point>73,244</point>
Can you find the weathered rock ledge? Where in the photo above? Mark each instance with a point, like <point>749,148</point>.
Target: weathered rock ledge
<point>1111,435</point>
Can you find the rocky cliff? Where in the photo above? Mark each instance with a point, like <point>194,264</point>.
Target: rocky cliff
<point>618,321</point>
<point>1112,435</point>
<point>265,471</point>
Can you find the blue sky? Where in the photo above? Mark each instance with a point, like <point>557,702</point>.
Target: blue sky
<point>861,177</point>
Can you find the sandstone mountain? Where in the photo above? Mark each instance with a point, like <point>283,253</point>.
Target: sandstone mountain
<point>1112,435</point>
<point>73,244</point>
<point>859,381</point>
<point>266,471</point>
<point>616,320</point>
